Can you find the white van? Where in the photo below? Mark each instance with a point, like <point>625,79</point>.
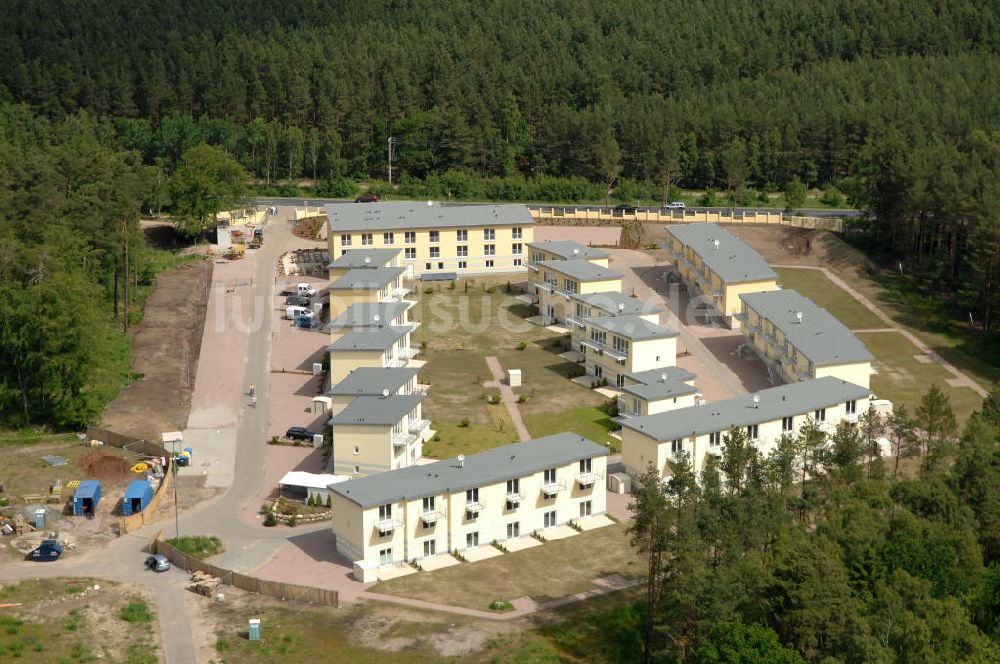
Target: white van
<point>293,311</point>
<point>305,290</point>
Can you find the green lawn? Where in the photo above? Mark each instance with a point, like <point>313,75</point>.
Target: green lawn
<point>817,287</point>
<point>198,546</point>
<point>555,569</point>
<point>903,380</point>
<point>588,421</point>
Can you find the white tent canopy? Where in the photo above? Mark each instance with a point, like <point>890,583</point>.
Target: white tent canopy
<point>298,478</point>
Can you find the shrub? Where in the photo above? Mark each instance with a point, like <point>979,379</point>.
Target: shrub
<point>832,197</point>
<point>451,285</point>
<point>493,398</point>
<point>274,440</point>
<point>491,289</point>
<point>293,520</point>
<point>464,423</point>
<point>522,345</point>
<point>336,188</point>
<point>437,438</point>
<point>329,501</point>
<point>197,546</point>
<point>136,611</point>
<point>501,605</point>
<point>270,520</point>
<point>522,398</point>
<point>428,290</point>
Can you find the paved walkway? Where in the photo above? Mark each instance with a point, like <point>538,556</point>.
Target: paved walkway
<point>523,606</point>
<point>507,396</point>
<point>959,378</point>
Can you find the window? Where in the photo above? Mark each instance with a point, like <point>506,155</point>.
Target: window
<point>410,237</point>
<point>550,476</point>
<point>715,438</point>
<point>367,240</point>
<point>752,432</point>
<point>787,423</point>
<point>820,415</point>
<point>620,380</point>
<point>549,519</point>
<point>585,465</point>
<point>343,251</point>
<point>517,262</point>
<point>598,371</point>
<point>472,495</point>
<point>463,251</point>
<point>430,548</point>
<point>428,504</point>
<point>600,336</point>
<point>489,263</point>
<point>637,406</point>
<point>357,470</point>
<point>411,253</point>
<point>516,248</point>
<point>462,265</point>
<point>489,234</point>
<point>489,249</point>
<point>435,252</point>
<point>440,266</point>
<point>462,235</point>
<point>513,530</point>
<point>851,407</point>
<point>345,240</point>
<point>427,266</point>
<point>619,344</point>
<point>516,232</point>
<point>388,238</point>
<point>385,556</point>
<point>356,450</point>
<point>471,540</point>
<point>676,446</point>
<point>571,286</point>
<point>585,508</point>
<point>434,236</point>
<point>513,486</point>
<point>384,512</point>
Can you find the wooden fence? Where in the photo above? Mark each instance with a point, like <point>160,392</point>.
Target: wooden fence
<point>277,589</point>
<point>127,524</point>
<point>569,216</point>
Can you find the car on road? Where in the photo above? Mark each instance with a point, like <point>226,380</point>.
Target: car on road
<point>366,198</point>
<point>675,205</point>
<point>158,563</point>
<point>624,208</point>
<point>298,433</point>
<point>297,300</point>
<point>46,552</point>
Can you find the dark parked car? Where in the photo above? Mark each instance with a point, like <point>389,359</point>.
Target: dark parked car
<point>298,433</point>
<point>625,208</point>
<point>366,198</point>
<point>46,552</point>
<point>297,301</point>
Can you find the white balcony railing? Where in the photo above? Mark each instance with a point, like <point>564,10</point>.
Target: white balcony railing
<point>541,285</point>
<point>403,439</point>
<point>514,498</point>
<point>430,517</point>
<point>588,479</point>
<point>531,265</point>
<point>408,353</point>
<point>552,488</point>
<point>575,320</point>
<point>716,450</point>
<point>386,526</point>
<point>474,507</point>
<point>417,427</point>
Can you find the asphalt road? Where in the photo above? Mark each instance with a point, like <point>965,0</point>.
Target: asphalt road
<point>809,212</point>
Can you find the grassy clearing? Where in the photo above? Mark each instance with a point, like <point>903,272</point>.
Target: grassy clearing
<point>456,439</point>
<point>817,287</point>
<point>25,473</point>
<point>136,611</point>
<point>198,546</point>
<point>555,569</point>
<point>588,421</point>
<point>903,380</point>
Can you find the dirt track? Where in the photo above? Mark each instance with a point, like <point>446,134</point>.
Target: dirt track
<point>165,351</point>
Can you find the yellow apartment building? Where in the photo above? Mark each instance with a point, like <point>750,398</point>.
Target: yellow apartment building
<point>696,432</point>
<point>611,347</point>
<point>799,340</point>
<point>609,303</point>
<point>371,314</point>
<point>371,382</point>
<point>361,285</point>
<point>718,267</point>
<point>463,503</point>
<point>657,391</point>
<point>355,259</point>
<point>558,280</point>
<point>460,239</point>
<point>387,346</point>
<point>564,250</point>
<point>374,434</point>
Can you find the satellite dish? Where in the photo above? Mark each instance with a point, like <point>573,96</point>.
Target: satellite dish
<point>376,318</point>
<point>576,251</point>
<point>663,377</point>
<point>756,400</point>
<point>621,306</point>
<point>798,316</point>
<point>385,392</point>
<point>715,243</point>
<point>368,259</point>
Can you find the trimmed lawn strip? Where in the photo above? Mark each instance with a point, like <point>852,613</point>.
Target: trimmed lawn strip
<point>589,421</point>
<point>457,440</point>
<point>903,380</point>
<point>817,287</point>
<point>555,569</point>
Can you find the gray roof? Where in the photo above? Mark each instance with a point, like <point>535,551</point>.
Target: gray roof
<point>370,381</point>
<point>366,278</point>
<point>383,411</point>
<point>565,248</point>
<point>411,215</point>
<point>489,467</point>
<point>610,300</point>
<point>581,270</point>
<point>370,338</point>
<point>777,402</point>
<point>362,314</point>
<point>734,261</point>
<point>631,327</point>
<point>653,386</point>
<point>356,258</point>
<point>820,336</point>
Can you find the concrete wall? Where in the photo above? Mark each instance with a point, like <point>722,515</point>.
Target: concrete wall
<point>565,215</point>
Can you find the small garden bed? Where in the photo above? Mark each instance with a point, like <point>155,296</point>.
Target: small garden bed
<point>198,546</point>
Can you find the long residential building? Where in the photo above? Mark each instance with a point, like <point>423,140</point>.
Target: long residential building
<point>657,391</point>
<point>718,267</point>
<point>366,285</point>
<point>371,382</point>
<point>355,259</point>
<point>696,432</point>
<point>371,314</point>
<point>559,280</point>
<point>565,250</point>
<point>374,434</point>
<point>461,239</point>
<point>463,503</point>
<point>611,347</point>
<point>384,346</point>
<point>799,340</point>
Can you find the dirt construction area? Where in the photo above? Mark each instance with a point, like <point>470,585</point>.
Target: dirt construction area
<point>165,352</point>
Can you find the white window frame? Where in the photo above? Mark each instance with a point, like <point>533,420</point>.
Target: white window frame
<point>516,232</point>
<point>788,424</point>
<point>430,548</point>
<point>462,265</point>
<point>513,529</point>
<point>388,238</point>
<point>434,237</point>
<point>489,234</point>
<point>586,508</point>
<point>472,540</point>
<point>489,250</point>
<point>435,252</point>
<point>820,415</point>
<point>345,239</point>
<point>489,263</point>
<point>367,240</point>
<point>409,237</point>
<point>517,248</point>
<point>462,235</point>
<point>549,519</point>
<point>462,251</point>
<point>411,253</point>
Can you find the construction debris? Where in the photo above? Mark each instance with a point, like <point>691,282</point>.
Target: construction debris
<point>54,460</point>
<point>204,584</point>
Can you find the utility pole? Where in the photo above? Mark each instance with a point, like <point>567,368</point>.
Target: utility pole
<point>391,141</point>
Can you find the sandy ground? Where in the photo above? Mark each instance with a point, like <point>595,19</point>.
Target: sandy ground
<point>601,236</point>
<point>312,559</point>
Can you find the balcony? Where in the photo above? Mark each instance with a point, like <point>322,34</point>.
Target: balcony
<point>545,286</point>
<point>716,450</point>
<point>550,489</point>
<point>430,517</point>
<point>575,320</point>
<point>419,426</point>
<point>531,265</point>
<point>514,498</point>
<point>474,507</point>
<point>407,353</point>
<point>396,362</point>
<point>386,526</point>
<point>403,439</point>
<point>399,293</point>
<point>586,480</point>
<point>604,348</point>
<point>851,417</point>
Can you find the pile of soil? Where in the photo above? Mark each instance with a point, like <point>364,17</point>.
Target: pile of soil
<point>309,227</point>
<point>105,466</point>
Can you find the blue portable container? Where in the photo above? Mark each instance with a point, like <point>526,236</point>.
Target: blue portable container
<point>86,498</point>
<point>137,496</point>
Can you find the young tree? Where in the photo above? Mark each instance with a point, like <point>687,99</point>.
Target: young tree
<point>811,443</point>
<point>649,533</point>
<point>903,436</point>
<point>847,450</point>
<point>990,411</point>
<point>607,159</point>
<point>737,459</point>
<point>207,181</point>
<point>795,194</point>
<point>871,425</point>
<point>780,464</point>
<point>936,420</point>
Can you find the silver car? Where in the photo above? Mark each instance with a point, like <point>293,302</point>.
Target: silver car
<point>158,563</point>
